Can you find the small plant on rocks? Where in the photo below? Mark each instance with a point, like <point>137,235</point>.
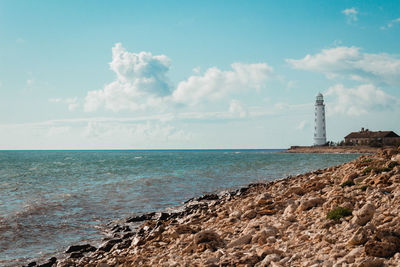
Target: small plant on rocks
<point>338,213</point>
<point>364,188</point>
<point>347,183</point>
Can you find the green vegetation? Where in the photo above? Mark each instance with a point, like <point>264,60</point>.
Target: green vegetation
<point>347,183</point>
<point>367,170</point>
<point>392,164</point>
<point>338,213</point>
<point>364,188</point>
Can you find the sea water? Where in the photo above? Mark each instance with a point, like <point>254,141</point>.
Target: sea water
<point>52,199</point>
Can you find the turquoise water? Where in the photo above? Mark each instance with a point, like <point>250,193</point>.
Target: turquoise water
<point>52,199</point>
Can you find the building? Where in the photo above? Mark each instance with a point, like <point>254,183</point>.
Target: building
<point>319,128</point>
<point>371,138</point>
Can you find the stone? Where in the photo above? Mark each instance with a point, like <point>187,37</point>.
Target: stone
<point>371,262</point>
<point>360,237</point>
<point>250,214</point>
<point>245,239</point>
<point>209,238</point>
<point>379,249</point>
<point>364,215</point>
<point>349,177</point>
<point>80,248</point>
<point>107,246</point>
<point>310,203</point>
<point>268,260</point>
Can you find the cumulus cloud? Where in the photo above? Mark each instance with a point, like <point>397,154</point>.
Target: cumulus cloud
<point>351,63</point>
<point>358,100</point>
<point>142,82</point>
<point>351,14</point>
<point>215,83</point>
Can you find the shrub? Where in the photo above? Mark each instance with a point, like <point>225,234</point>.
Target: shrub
<point>364,188</point>
<point>347,183</point>
<point>338,213</point>
<point>367,170</point>
<point>392,164</point>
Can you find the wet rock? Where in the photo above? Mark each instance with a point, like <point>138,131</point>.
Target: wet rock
<point>364,215</point>
<point>80,248</point>
<point>51,262</point>
<point>107,246</point>
<point>75,255</point>
<point>208,197</point>
<point>141,218</point>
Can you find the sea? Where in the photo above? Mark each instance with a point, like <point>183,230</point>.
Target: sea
<point>52,199</point>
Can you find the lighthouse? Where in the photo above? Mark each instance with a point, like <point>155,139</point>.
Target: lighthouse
<point>319,129</point>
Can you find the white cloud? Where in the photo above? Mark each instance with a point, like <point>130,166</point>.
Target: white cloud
<point>349,62</point>
<point>30,82</point>
<point>215,83</point>
<point>142,82</point>
<point>302,125</point>
<point>237,109</point>
<point>351,14</point>
<point>391,24</point>
<point>358,100</point>
<point>73,103</point>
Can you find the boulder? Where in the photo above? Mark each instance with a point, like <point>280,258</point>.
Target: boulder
<point>310,203</point>
<point>364,215</point>
<point>81,248</point>
<point>245,239</point>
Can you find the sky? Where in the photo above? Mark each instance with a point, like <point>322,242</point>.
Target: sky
<point>194,74</point>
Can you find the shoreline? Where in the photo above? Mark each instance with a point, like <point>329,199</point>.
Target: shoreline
<point>333,149</point>
<point>281,222</point>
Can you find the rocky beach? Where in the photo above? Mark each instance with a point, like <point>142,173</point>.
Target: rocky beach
<point>332,149</point>
<point>346,215</point>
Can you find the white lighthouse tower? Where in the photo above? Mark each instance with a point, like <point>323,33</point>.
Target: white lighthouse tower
<point>319,129</point>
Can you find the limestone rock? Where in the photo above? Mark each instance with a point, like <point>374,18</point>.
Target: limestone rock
<point>245,239</point>
<point>310,203</point>
<point>359,237</point>
<point>364,215</point>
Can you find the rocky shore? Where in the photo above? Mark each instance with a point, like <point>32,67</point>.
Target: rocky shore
<point>346,215</point>
<point>332,149</point>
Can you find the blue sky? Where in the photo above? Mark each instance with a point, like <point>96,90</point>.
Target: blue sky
<point>194,74</point>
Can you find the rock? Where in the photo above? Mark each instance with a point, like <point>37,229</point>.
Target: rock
<point>81,248</point>
<point>310,203</point>
<point>209,238</point>
<point>268,260</point>
<point>245,239</point>
<point>379,249</point>
<point>364,215</point>
<point>267,250</point>
<point>140,218</point>
<point>52,261</point>
<point>208,197</point>
<point>359,237</point>
<point>250,214</point>
<point>371,262</point>
<point>75,255</point>
<point>295,190</point>
<point>349,177</point>
<point>107,246</point>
